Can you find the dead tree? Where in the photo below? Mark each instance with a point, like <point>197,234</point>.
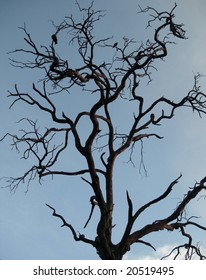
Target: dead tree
<point>105,83</point>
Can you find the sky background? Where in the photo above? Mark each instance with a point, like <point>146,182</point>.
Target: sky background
<point>27,228</point>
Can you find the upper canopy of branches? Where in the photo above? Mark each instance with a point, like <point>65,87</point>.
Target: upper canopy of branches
<point>124,66</point>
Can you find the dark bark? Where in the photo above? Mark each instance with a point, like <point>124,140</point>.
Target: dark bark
<point>108,81</point>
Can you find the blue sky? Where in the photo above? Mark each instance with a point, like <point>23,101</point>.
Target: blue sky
<point>27,229</point>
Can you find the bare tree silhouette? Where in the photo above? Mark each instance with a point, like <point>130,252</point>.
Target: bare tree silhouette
<point>105,83</point>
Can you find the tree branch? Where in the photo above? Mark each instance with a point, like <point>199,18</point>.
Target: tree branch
<point>81,237</point>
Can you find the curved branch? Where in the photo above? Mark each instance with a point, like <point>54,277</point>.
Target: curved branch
<point>74,173</point>
<point>81,237</point>
<point>158,199</point>
<point>147,244</point>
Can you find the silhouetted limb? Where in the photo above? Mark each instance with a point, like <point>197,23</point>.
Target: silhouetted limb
<point>79,237</point>
<point>189,252</point>
<point>93,203</point>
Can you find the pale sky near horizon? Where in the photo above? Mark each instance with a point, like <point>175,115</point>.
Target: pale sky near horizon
<point>27,228</point>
